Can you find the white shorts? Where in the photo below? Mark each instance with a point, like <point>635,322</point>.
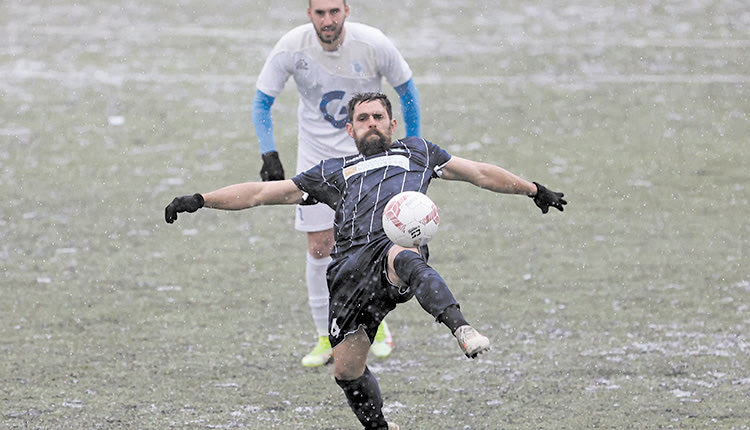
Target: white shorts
<point>315,217</point>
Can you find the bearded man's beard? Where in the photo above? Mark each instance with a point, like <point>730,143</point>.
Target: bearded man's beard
<point>334,38</point>
<point>373,142</point>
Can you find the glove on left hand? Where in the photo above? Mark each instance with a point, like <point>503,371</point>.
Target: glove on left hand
<point>545,198</point>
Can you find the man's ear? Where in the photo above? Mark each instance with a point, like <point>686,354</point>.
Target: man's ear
<point>350,129</point>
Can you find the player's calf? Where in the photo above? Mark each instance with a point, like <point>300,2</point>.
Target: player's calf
<point>365,400</point>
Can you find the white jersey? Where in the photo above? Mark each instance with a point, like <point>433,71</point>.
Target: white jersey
<point>326,81</point>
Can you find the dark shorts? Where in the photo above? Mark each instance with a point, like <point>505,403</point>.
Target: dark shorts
<point>360,293</point>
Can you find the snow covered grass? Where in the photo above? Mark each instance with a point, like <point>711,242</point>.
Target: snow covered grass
<point>628,310</point>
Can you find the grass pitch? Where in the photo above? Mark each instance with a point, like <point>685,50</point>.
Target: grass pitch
<point>628,310</point>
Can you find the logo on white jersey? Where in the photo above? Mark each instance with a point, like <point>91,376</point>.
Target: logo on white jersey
<point>330,98</point>
<point>357,68</point>
<point>301,64</point>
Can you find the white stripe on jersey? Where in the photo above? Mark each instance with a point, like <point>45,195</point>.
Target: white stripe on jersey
<point>375,163</point>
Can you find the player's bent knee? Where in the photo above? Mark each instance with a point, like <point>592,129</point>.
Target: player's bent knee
<point>350,356</point>
<point>320,244</point>
<point>406,263</point>
<point>345,374</point>
<point>393,254</point>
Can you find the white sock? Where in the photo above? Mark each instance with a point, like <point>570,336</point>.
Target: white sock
<point>317,291</point>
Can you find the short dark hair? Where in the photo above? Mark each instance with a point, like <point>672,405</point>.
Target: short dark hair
<point>309,3</point>
<point>365,98</point>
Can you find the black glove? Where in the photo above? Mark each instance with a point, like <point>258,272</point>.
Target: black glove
<point>545,198</point>
<point>182,204</point>
<point>272,169</point>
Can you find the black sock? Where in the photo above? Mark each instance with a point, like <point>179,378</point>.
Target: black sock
<point>452,318</point>
<point>363,395</point>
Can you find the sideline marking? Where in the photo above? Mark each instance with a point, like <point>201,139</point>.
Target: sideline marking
<point>141,33</point>
<point>104,77</point>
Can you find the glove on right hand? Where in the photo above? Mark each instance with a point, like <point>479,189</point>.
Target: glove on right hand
<point>272,169</point>
<point>182,204</point>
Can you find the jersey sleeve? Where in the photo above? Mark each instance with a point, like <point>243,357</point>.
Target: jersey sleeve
<point>278,66</point>
<point>261,113</point>
<point>410,109</point>
<point>436,156</point>
<point>320,183</point>
<point>393,66</point>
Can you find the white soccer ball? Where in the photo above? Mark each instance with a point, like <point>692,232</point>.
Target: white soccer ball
<point>410,219</point>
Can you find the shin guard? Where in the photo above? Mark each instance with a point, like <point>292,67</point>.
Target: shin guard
<point>363,396</point>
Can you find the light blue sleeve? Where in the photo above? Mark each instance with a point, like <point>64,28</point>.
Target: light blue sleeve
<point>409,98</point>
<point>261,111</point>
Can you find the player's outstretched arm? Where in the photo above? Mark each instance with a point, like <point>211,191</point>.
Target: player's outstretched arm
<point>236,197</point>
<point>499,180</point>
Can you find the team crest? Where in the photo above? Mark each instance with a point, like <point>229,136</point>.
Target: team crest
<point>357,68</point>
<point>301,64</point>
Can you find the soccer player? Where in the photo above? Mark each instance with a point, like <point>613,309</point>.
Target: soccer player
<point>369,274</point>
<point>330,60</point>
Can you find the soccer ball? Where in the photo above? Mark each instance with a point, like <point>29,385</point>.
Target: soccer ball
<point>410,219</point>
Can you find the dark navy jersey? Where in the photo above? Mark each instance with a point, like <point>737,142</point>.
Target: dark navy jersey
<point>358,187</point>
